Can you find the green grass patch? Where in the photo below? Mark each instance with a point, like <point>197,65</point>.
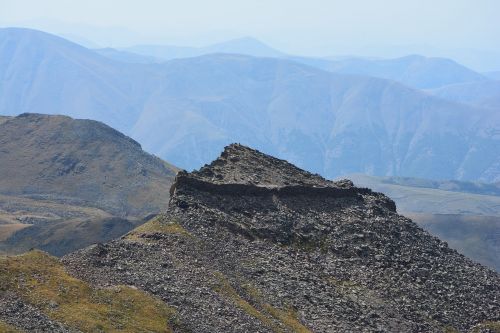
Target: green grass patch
<point>43,282</point>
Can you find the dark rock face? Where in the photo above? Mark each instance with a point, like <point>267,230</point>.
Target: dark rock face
<point>242,165</point>
<point>252,244</point>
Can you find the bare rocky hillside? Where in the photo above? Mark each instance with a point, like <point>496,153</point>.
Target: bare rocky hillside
<point>246,247</point>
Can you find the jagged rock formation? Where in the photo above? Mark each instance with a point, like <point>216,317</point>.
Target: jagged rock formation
<point>67,183</point>
<point>253,244</point>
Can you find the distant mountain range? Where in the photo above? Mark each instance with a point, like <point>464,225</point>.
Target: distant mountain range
<point>184,110</point>
<point>125,56</point>
<point>414,70</point>
<point>246,45</point>
<point>495,75</point>
<point>442,77</point>
<point>484,94</point>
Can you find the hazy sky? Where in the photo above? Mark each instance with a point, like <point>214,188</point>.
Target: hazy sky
<point>309,27</point>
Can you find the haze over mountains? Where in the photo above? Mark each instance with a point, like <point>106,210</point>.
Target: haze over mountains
<point>245,45</point>
<point>413,70</point>
<point>250,242</point>
<point>484,94</point>
<point>184,110</point>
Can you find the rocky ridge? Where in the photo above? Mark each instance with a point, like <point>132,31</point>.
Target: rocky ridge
<point>246,247</point>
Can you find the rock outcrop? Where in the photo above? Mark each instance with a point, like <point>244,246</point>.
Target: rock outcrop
<point>252,244</point>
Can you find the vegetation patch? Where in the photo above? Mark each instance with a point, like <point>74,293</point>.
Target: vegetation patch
<point>223,287</point>
<point>157,225</point>
<point>6,328</point>
<point>278,320</point>
<point>43,282</point>
<point>490,326</point>
<point>311,245</point>
<point>343,283</point>
<point>288,318</point>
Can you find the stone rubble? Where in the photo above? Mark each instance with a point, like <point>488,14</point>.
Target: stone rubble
<point>251,243</point>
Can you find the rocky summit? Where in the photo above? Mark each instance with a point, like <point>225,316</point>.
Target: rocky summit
<point>251,243</point>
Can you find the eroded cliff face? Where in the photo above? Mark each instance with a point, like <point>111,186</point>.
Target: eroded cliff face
<point>252,244</point>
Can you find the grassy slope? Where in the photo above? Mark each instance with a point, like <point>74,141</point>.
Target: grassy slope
<point>69,183</point>
<point>6,328</point>
<point>42,281</point>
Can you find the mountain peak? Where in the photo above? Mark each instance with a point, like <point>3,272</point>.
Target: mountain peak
<point>298,257</point>
<point>245,45</point>
<point>243,165</point>
<point>26,35</point>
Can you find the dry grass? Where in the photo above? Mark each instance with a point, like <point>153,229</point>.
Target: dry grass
<point>223,287</point>
<point>42,205</point>
<point>6,328</point>
<point>492,326</point>
<point>278,320</point>
<point>158,225</point>
<point>7,230</point>
<point>42,281</point>
<point>288,318</point>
